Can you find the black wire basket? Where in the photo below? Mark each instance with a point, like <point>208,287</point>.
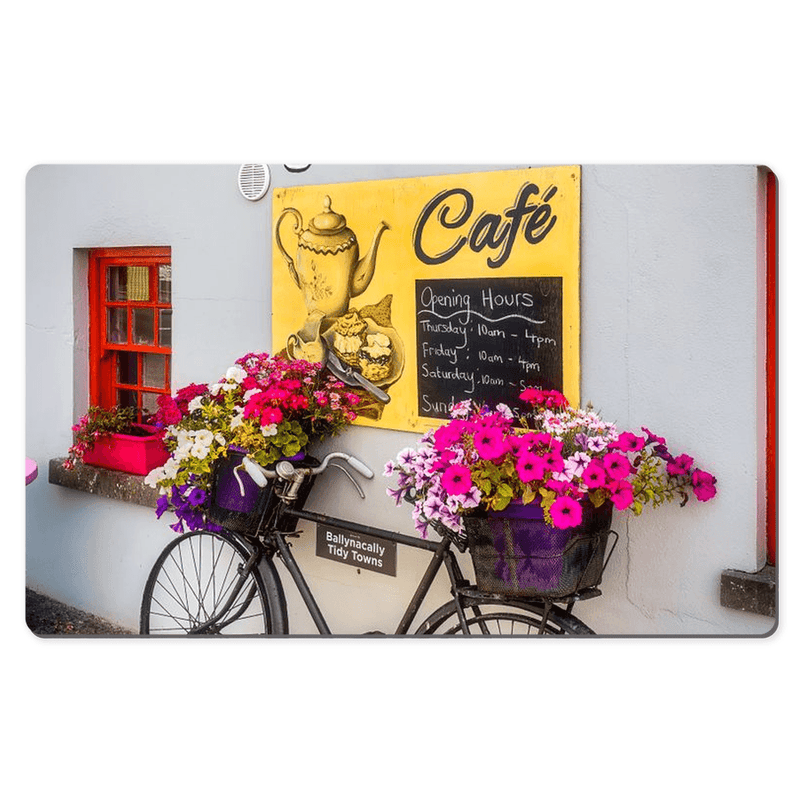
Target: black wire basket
<point>528,558</point>
<point>241,507</point>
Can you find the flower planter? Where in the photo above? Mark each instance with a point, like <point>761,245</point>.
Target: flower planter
<point>134,454</point>
<point>516,553</point>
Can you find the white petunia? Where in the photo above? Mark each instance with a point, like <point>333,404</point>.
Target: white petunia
<point>204,438</point>
<point>181,453</point>
<point>235,374</point>
<point>154,476</point>
<point>199,451</point>
<point>236,421</point>
<point>269,430</point>
<point>195,403</point>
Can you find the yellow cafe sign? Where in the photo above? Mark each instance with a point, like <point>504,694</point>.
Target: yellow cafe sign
<point>422,292</point>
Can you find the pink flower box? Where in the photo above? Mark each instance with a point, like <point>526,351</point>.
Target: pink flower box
<point>136,455</point>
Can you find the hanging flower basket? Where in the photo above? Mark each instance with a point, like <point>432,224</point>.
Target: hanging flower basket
<point>137,453</point>
<point>516,553</point>
<point>266,407</point>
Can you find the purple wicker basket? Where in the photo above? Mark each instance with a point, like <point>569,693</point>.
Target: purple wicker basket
<point>516,553</point>
<point>238,504</point>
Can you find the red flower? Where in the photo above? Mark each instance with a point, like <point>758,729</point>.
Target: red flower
<point>168,412</point>
<point>548,399</point>
<point>188,393</point>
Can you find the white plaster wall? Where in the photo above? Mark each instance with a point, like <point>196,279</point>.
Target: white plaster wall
<point>669,324</point>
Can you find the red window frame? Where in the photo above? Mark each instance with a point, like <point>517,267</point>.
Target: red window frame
<point>106,378</point>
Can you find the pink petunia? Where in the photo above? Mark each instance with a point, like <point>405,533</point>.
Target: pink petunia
<point>594,476</point>
<point>616,466</point>
<point>457,479</point>
<point>703,485</point>
<point>621,494</point>
<point>530,467</point>
<point>543,442</point>
<point>680,465</point>
<point>566,513</point>
<point>445,458</point>
<point>566,488</point>
<point>553,461</point>
<point>627,443</point>
<point>490,443</point>
<point>448,434</point>
<point>516,445</point>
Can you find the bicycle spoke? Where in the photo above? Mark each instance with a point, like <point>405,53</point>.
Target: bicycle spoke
<point>198,575</point>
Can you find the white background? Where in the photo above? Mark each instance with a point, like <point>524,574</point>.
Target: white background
<point>93,82</point>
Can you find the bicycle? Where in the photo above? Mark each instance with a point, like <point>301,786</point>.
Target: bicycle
<point>207,582</point>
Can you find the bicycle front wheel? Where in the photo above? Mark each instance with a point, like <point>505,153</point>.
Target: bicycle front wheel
<point>195,578</point>
<point>503,618</point>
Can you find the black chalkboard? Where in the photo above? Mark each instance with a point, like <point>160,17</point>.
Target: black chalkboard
<point>486,339</point>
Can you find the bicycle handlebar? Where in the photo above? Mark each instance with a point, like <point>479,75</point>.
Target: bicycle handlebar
<point>288,471</point>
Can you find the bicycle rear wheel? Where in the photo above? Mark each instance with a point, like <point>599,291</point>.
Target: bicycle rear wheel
<point>503,618</point>
<point>195,577</point>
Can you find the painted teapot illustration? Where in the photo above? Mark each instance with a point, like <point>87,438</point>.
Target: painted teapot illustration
<point>328,270</point>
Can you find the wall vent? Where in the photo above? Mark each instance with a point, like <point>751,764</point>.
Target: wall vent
<point>253,181</point>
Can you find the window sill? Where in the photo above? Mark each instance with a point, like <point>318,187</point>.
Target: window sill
<point>749,591</point>
<point>104,482</point>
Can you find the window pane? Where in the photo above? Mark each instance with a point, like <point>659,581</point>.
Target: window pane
<point>165,327</point>
<point>128,368</point>
<point>150,402</point>
<point>143,326</point>
<point>117,283</point>
<point>154,370</point>
<point>164,283</point>
<point>117,326</point>
<point>126,398</point>
<point>138,284</point>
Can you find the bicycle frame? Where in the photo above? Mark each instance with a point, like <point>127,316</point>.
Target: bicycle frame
<point>441,554</point>
<point>269,539</point>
